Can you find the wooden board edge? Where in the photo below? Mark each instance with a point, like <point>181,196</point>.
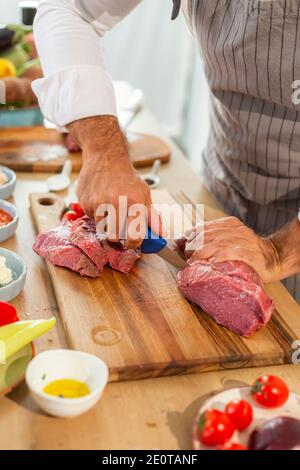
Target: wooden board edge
<point>135,372</point>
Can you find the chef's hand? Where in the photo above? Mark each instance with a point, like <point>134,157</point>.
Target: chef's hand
<point>18,90</point>
<point>229,239</point>
<point>107,174</point>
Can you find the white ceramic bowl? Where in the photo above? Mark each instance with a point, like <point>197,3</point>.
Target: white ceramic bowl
<point>66,364</point>
<point>19,271</point>
<point>8,230</point>
<point>6,190</point>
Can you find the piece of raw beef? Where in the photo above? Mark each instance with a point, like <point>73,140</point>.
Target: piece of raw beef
<point>120,258</point>
<point>83,235</point>
<point>230,292</point>
<point>76,246</point>
<point>55,245</point>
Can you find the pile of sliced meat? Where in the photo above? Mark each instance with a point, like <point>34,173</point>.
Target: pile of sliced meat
<point>76,246</point>
<point>231,293</point>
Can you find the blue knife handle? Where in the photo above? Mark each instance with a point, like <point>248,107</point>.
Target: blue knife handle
<point>153,243</point>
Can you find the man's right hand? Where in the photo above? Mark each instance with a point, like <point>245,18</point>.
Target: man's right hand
<point>107,174</point>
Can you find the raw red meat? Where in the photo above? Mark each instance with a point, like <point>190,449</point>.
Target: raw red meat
<point>181,243</point>
<point>121,258</point>
<point>237,269</point>
<point>83,235</point>
<point>231,293</point>
<point>55,245</point>
<point>76,246</point>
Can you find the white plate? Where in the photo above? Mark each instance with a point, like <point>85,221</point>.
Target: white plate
<point>291,408</point>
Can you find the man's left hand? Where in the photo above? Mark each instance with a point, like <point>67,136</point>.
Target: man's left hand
<point>229,239</point>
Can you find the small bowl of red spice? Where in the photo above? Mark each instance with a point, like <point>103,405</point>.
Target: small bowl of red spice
<point>9,220</point>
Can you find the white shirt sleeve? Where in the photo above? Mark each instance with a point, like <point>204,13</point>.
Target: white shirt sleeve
<point>76,83</point>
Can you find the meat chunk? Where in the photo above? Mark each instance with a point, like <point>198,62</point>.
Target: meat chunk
<point>237,269</point>
<point>121,258</point>
<point>181,243</point>
<point>231,293</point>
<point>83,235</point>
<point>76,246</point>
<point>55,245</point>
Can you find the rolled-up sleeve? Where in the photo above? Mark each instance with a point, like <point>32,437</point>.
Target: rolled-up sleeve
<point>76,83</point>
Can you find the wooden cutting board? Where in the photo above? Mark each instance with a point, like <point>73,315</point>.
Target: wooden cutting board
<point>142,326</point>
<point>37,149</point>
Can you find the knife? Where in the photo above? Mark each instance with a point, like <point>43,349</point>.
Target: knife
<point>153,244</point>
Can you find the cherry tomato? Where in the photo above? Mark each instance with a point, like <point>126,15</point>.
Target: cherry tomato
<point>70,216</point>
<point>76,207</point>
<point>232,446</point>
<point>241,414</point>
<point>8,314</point>
<point>270,391</point>
<point>215,428</point>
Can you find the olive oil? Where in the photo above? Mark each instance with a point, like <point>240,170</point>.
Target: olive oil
<point>67,388</point>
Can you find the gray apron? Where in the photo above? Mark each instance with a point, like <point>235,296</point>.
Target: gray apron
<point>251,54</point>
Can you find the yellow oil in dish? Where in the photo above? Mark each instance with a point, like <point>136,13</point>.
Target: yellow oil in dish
<point>67,388</point>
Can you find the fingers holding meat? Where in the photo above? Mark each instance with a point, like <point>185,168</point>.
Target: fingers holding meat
<point>120,205</point>
<point>214,230</point>
<point>229,239</point>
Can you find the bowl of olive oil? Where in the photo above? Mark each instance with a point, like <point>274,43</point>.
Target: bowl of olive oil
<point>66,383</point>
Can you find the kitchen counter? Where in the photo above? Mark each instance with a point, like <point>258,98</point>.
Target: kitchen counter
<point>147,414</point>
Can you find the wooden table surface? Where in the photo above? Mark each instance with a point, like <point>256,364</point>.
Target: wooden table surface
<point>146,414</point>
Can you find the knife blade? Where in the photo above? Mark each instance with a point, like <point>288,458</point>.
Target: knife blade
<point>173,258</point>
<point>154,244</point>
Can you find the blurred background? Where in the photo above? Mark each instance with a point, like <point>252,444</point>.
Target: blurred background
<point>160,57</point>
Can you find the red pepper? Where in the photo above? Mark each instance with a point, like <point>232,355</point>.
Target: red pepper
<point>8,314</point>
<point>76,207</point>
<point>70,216</point>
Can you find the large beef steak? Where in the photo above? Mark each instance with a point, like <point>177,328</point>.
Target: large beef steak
<point>230,292</point>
